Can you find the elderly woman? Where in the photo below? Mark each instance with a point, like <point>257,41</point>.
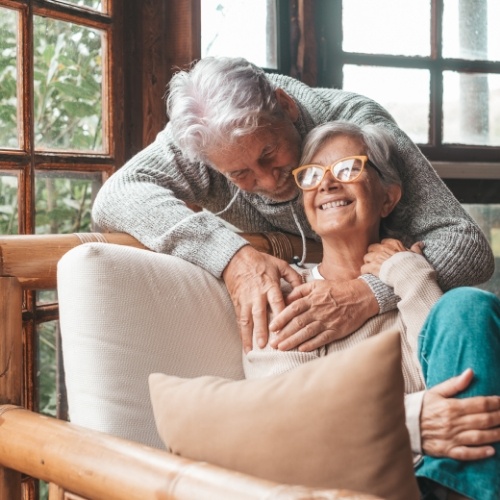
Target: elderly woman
<point>450,343</point>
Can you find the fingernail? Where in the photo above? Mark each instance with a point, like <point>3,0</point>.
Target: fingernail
<point>247,350</point>
<point>490,452</point>
<point>261,343</point>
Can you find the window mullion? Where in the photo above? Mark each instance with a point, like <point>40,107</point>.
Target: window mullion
<point>26,94</point>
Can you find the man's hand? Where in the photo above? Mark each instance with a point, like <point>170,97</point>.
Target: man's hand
<point>462,429</point>
<point>253,281</point>
<point>378,253</point>
<point>322,311</point>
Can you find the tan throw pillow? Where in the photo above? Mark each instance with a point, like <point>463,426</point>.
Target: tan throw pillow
<point>336,422</point>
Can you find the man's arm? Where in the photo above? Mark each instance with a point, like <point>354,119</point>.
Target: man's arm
<point>454,244</point>
<point>147,198</point>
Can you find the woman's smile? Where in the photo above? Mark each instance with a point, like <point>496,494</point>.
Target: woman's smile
<point>334,204</point>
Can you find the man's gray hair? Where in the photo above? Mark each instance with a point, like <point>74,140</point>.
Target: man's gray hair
<point>217,101</point>
<point>381,148</point>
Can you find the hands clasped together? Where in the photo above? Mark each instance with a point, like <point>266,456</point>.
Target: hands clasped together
<point>317,313</point>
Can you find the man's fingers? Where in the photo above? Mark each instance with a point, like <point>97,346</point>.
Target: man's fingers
<point>299,338</point>
<point>468,453</point>
<point>290,275</point>
<point>275,299</point>
<point>315,343</point>
<point>287,315</point>
<point>454,385</point>
<point>245,323</point>
<point>418,247</point>
<point>260,321</point>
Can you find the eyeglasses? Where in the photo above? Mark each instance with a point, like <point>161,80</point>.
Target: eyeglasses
<point>344,170</point>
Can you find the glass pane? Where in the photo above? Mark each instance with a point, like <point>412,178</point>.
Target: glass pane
<point>470,29</point>
<point>9,223</point>
<point>68,86</point>
<point>90,4</point>
<point>9,118</point>
<point>488,218</point>
<point>47,367</point>
<point>387,27</point>
<point>64,200</point>
<point>403,92</point>
<point>46,296</point>
<point>240,28</point>
<point>471,108</point>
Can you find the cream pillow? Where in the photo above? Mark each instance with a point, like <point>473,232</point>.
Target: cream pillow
<point>335,422</point>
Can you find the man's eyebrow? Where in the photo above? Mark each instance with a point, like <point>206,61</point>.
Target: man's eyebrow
<point>269,148</point>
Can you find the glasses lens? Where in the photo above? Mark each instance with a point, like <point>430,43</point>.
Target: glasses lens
<point>348,170</point>
<point>310,176</point>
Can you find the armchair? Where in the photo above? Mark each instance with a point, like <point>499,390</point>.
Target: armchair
<point>86,463</point>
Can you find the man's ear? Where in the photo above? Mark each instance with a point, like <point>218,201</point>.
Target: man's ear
<point>393,194</point>
<point>288,105</point>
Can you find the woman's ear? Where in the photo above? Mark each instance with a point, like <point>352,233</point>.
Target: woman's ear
<point>287,104</point>
<point>392,196</point>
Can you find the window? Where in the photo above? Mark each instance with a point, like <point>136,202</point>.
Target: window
<point>58,144</point>
<point>435,65</point>
<point>246,28</point>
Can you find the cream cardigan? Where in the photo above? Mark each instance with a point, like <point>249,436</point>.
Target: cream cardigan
<point>414,281</point>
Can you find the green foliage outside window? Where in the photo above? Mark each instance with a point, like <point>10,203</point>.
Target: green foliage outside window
<point>67,80</point>
<point>67,114</point>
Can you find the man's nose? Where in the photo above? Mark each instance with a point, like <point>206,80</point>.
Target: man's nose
<point>267,178</point>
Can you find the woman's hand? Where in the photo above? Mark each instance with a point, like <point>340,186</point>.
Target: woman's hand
<point>463,429</point>
<point>378,253</point>
<point>322,311</point>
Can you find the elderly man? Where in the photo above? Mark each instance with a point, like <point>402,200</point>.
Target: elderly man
<point>233,138</point>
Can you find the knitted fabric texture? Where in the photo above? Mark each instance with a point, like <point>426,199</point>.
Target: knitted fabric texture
<point>147,199</point>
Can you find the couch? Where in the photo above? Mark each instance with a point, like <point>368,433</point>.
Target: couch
<point>112,448</point>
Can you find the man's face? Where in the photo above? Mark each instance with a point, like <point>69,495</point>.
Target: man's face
<point>261,162</point>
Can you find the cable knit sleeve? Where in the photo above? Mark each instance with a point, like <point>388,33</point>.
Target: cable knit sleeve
<point>454,244</point>
<point>145,199</point>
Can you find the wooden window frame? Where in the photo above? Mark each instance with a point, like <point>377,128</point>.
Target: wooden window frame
<point>478,179</point>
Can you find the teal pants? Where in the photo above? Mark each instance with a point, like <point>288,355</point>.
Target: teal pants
<point>463,331</point>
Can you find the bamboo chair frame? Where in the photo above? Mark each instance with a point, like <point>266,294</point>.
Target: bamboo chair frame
<point>84,464</point>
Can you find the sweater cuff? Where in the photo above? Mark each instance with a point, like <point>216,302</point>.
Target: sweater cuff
<point>413,407</point>
<point>386,298</point>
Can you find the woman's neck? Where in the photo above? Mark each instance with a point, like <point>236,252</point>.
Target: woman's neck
<point>342,259</point>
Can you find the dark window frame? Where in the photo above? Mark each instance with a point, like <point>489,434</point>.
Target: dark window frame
<point>476,186</point>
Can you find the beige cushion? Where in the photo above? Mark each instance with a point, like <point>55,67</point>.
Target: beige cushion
<point>336,422</point>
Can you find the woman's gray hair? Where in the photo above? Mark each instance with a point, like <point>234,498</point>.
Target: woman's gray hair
<point>216,101</point>
<point>381,148</point>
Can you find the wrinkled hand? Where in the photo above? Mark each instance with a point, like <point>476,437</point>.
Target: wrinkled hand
<point>322,311</point>
<point>462,429</point>
<point>253,281</point>
<point>378,253</point>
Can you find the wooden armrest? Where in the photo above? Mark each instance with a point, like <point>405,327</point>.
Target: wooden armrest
<point>32,259</point>
<point>98,466</point>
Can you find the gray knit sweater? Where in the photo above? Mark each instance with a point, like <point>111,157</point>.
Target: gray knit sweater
<point>147,199</point>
